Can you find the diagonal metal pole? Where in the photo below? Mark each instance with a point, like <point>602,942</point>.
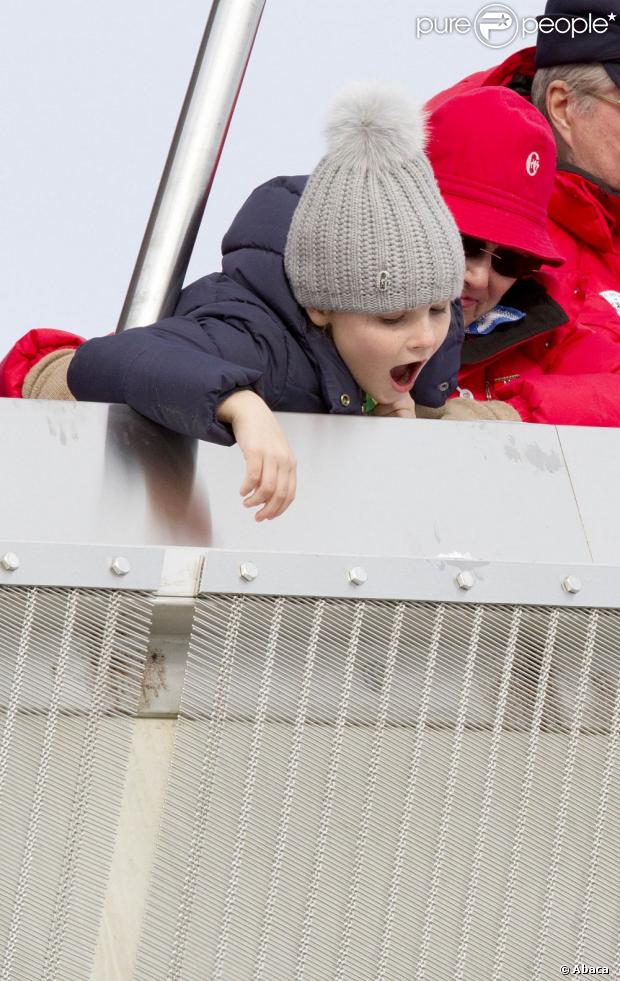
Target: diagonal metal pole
<point>192,161</point>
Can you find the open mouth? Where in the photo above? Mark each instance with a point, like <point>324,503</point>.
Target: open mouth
<point>403,376</point>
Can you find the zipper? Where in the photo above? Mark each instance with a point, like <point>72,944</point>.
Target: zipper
<point>500,378</point>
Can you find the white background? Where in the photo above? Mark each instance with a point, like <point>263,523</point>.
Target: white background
<point>89,98</point>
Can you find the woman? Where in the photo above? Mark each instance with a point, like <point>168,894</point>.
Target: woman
<point>494,158</point>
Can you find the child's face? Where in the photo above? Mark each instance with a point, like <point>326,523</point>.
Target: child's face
<point>385,353</point>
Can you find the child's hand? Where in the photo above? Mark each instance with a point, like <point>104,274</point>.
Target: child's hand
<point>270,477</point>
<point>403,406</point>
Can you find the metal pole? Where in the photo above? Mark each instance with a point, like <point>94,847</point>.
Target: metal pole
<point>192,161</point>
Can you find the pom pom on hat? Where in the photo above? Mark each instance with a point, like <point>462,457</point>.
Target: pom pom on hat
<point>373,127</point>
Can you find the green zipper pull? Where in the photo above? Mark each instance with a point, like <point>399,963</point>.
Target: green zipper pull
<point>368,405</point>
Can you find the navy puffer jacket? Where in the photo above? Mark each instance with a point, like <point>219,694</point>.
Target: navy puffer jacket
<point>241,328</point>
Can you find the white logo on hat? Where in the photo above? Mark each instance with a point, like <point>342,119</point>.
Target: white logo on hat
<point>532,163</point>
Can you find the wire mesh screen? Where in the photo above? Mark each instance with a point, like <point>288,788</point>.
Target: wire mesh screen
<point>71,665</point>
<point>382,790</point>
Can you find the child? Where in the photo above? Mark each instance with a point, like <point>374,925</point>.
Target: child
<point>373,257</point>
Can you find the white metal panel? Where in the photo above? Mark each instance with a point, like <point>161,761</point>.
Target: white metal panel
<point>401,488</point>
<point>78,472</point>
<point>488,491</point>
<point>592,459</point>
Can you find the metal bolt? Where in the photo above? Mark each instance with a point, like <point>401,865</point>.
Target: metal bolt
<point>465,580</point>
<point>571,584</point>
<point>248,571</point>
<point>357,575</point>
<point>120,566</point>
<point>10,562</point>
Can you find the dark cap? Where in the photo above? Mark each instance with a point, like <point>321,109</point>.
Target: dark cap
<point>578,32</point>
<point>613,70</point>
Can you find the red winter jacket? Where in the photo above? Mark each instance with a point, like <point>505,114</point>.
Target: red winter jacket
<point>570,374</point>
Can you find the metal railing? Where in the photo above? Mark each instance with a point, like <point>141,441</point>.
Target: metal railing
<point>192,162</point>
<point>411,773</point>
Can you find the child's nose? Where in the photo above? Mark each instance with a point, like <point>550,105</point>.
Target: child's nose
<point>423,337</point>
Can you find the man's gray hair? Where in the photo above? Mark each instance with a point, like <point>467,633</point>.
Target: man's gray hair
<point>580,78</point>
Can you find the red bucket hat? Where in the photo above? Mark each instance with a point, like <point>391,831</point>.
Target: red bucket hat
<point>494,159</point>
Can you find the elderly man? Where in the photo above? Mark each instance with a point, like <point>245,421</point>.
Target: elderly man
<point>574,80</point>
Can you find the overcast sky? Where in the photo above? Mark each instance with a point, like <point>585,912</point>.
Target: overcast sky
<point>89,98</point>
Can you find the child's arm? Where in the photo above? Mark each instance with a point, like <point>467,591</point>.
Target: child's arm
<point>270,477</point>
<point>176,372</point>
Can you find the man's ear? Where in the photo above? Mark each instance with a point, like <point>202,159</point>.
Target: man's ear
<point>320,318</point>
<point>560,110</point>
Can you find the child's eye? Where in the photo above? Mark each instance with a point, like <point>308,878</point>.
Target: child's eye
<point>394,320</point>
<point>437,310</point>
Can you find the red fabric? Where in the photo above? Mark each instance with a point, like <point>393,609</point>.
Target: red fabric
<point>26,352</point>
<point>506,203</point>
<point>572,374</point>
<point>568,376</point>
<point>519,63</point>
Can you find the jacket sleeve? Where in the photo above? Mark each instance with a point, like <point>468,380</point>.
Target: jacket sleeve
<point>581,386</point>
<point>570,400</point>
<point>173,371</point>
<point>27,352</point>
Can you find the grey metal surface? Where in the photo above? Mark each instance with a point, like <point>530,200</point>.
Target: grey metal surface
<point>362,787</point>
<point>71,665</point>
<point>192,161</point>
<point>88,473</point>
<point>82,473</point>
<point>592,458</point>
<point>388,577</point>
<point>384,791</point>
<point>399,488</point>
<point>88,566</point>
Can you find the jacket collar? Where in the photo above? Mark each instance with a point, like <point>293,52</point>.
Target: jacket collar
<point>542,314</point>
<point>337,382</point>
<point>571,169</point>
<point>516,72</point>
<point>585,207</point>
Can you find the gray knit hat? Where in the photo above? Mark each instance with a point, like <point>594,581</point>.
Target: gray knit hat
<point>371,233</point>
